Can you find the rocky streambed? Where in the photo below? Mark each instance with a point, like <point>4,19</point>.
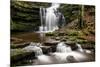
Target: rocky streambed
<point>26,55</point>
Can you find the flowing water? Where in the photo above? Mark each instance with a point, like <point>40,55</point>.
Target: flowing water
<point>80,48</point>
<point>62,47</point>
<point>34,47</point>
<point>51,18</point>
<point>64,54</point>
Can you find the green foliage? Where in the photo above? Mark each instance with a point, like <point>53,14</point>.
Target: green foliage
<point>71,12</point>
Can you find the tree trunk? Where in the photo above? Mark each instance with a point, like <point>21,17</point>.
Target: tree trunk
<point>81,17</point>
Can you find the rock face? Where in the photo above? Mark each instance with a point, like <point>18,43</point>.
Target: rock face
<point>25,15</point>
<point>21,17</point>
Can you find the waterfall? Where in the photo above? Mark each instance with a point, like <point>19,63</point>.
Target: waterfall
<point>42,28</point>
<point>62,47</point>
<point>51,18</point>
<point>41,16</point>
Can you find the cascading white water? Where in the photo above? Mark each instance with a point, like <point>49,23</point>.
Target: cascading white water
<point>80,48</point>
<point>42,28</point>
<point>38,51</point>
<point>34,47</point>
<point>63,54</point>
<point>83,50</point>
<point>62,47</point>
<point>50,18</point>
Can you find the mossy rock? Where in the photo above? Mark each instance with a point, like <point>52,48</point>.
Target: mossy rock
<point>22,45</point>
<point>81,37</point>
<point>61,34</point>
<point>81,41</point>
<point>70,42</point>
<point>50,34</point>
<point>15,52</point>
<point>19,55</point>
<point>72,32</point>
<point>72,38</point>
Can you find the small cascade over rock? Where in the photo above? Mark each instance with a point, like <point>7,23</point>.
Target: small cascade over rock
<point>62,47</point>
<point>79,47</point>
<point>34,47</point>
<point>83,50</point>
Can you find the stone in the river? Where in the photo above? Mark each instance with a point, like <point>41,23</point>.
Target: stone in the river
<point>18,55</point>
<point>57,38</point>
<point>64,39</point>
<point>21,45</point>
<point>61,34</point>
<point>32,44</point>
<point>88,51</point>
<point>16,40</point>
<point>51,42</point>
<point>70,59</point>
<point>36,49</point>
<point>35,44</point>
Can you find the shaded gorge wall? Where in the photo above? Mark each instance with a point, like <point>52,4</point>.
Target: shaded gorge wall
<point>25,15</point>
